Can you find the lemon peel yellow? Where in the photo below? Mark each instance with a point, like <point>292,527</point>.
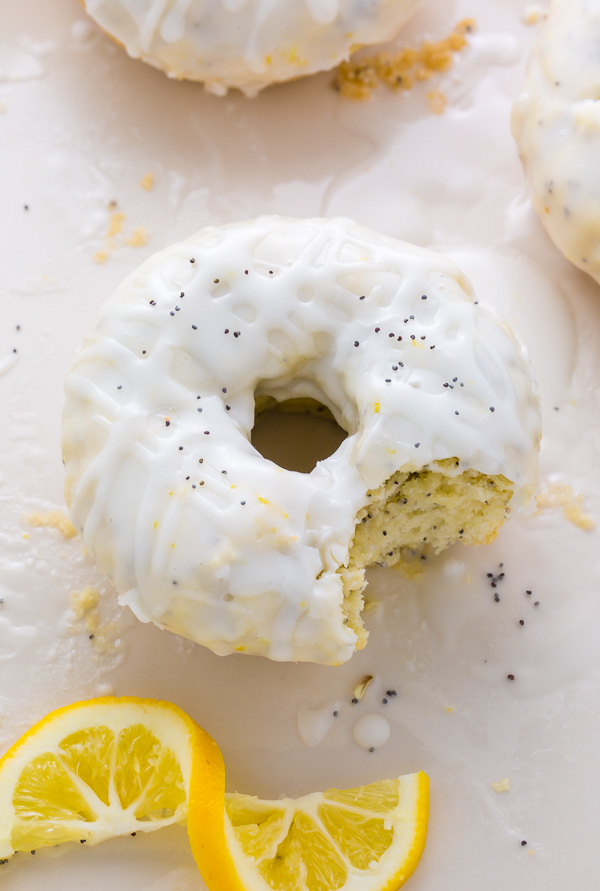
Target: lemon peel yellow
<point>115,766</point>
<point>103,768</point>
<point>365,839</point>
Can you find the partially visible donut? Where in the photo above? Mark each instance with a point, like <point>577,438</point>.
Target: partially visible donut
<point>203,535</point>
<point>247,44</point>
<point>556,123</point>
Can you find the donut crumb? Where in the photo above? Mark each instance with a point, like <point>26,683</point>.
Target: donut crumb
<point>420,512</point>
<point>357,78</point>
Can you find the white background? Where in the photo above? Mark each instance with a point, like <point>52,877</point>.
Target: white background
<point>80,125</point>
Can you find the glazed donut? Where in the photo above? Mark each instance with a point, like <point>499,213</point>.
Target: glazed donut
<point>204,536</point>
<point>556,123</point>
<point>247,44</point>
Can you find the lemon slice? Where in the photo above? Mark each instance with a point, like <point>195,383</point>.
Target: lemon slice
<point>107,767</point>
<point>364,839</point>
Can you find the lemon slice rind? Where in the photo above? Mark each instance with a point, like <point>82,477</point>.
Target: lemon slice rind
<point>260,836</point>
<point>90,813</point>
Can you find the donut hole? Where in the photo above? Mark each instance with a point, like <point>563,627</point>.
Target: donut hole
<point>295,433</point>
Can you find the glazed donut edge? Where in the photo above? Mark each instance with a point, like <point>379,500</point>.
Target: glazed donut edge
<point>247,45</point>
<point>556,125</point>
<point>202,535</point>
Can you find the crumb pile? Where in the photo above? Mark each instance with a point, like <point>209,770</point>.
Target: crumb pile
<point>357,78</point>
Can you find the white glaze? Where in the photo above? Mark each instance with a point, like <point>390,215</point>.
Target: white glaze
<point>556,122</point>
<point>371,731</point>
<point>247,44</point>
<point>199,532</point>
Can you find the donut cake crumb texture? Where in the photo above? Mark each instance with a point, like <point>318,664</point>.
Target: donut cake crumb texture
<point>556,123</point>
<point>420,513</point>
<point>247,44</point>
<point>357,78</point>
<point>204,536</point>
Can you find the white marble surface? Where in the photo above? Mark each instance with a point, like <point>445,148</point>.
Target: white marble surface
<point>80,126</point>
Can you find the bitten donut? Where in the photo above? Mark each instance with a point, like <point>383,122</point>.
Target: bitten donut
<point>247,44</point>
<point>203,535</point>
<point>556,123</point>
